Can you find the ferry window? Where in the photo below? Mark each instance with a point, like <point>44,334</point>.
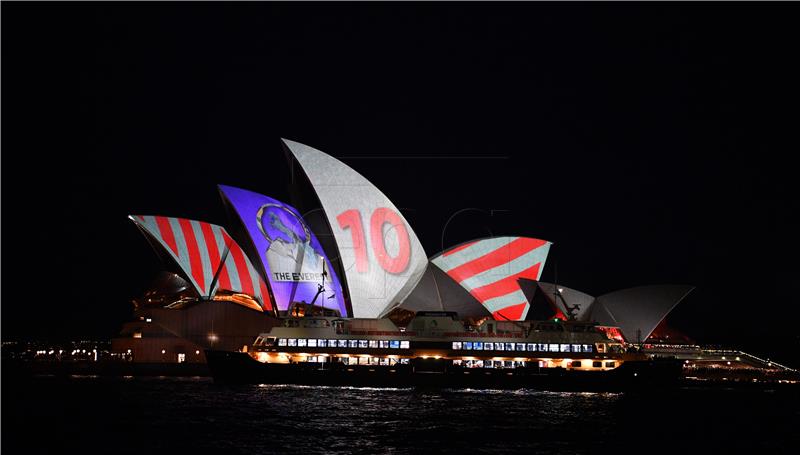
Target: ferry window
<point>601,347</point>
<point>531,346</point>
<point>352,343</point>
<point>301,343</point>
<point>312,343</point>
<point>292,342</point>
<point>564,348</point>
<point>467,345</point>
<point>393,361</point>
<point>384,361</point>
<point>597,364</point>
<point>477,364</point>
<point>374,361</point>
<point>342,343</point>
<point>477,345</point>
<point>519,364</point>
<point>509,346</point>
<point>576,364</point>
<point>468,363</point>
<point>457,345</point>
<point>363,360</point>
<point>542,347</point>
<point>282,342</point>
<point>405,345</point>
<point>373,343</point>
<point>508,364</point>
<point>610,364</point>
<point>384,344</point>
<point>394,344</point>
<point>488,346</point>
<point>404,361</point>
<point>553,347</point>
<point>587,348</point>
<point>498,346</point>
<point>520,346</point>
<point>457,362</point>
<point>322,343</point>
<point>488,364</point>
<point>576,348</point>
<point>259,341</point>
<point>363,343</point>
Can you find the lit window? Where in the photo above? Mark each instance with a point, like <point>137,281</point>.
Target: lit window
<point>553,347</point>
<point>312,343</point>
<point>467,345</point>
<point>477,364</point>
<point>405,345</point>
<point>499,347</point>
<point>363,360</point>
<point>509,346</point>
<point>301,343</point>
<point>587,348</point>
<point>508,364</point>
<point>456,345</point>
<point>576,364</point>
<point>531,347</point>
<point>520,346</point>
<point>597,364</point>
<point>394,344</point>
<point>342,343</point>
<point>488,364</point>
<point>477,345</point>
<point>291,342</point>
<point>576,348</point>
<point>363,343</point>
<point>610,364</point>
<point>352,343</point>
<point>404,361</point>
<point>181,358</point>
<point>373,344</point>
<point>384,361</point>
<point>384,344</point>
<point>374,361</point>
<point>564,348</point>
<point>321,343</point>
<point>457,362</point>
<point>137,334</point>
<point>542,347</point>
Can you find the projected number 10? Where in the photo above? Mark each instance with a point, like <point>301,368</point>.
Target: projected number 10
<point>351,219</point>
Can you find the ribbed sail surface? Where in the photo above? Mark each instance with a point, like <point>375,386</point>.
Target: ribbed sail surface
<point>197,248</point>
<point>489,269</point>
<point>382,257</point>
<point>638,311</point>
<point>289,252</point>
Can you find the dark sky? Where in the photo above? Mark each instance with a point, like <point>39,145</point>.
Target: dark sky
<point>651,143</point>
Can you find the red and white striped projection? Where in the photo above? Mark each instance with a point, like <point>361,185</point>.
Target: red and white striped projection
<point>489,270</point>
<point>198,247</point>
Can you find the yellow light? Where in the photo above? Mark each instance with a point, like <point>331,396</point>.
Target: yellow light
<point>197,352</point>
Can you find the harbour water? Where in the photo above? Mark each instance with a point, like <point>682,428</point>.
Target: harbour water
<point>98,415</point>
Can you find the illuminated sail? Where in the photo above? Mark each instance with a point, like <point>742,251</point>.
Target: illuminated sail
<point>290,253</point>
<point>198,248</point>
<point>382,258</point>
<point>489,269</point>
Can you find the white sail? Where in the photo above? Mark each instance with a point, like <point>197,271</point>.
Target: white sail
<point>382,257</point>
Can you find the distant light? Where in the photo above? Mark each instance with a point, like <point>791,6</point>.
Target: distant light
<point>560,289</point>
<point>163,351</point>
<point>148,320</point>
<point>197,352</point>
<point>729,362</point>
<point>737,359</point>
<point>129,351</point>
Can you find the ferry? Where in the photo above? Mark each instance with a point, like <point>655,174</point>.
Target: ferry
<point>437,349</point>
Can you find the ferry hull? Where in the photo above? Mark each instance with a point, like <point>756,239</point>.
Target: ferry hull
<point>239,368</point>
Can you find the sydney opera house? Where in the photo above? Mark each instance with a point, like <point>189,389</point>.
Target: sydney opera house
<point>343,249</point>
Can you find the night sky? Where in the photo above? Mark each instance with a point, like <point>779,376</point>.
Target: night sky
<point>651,143</point>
